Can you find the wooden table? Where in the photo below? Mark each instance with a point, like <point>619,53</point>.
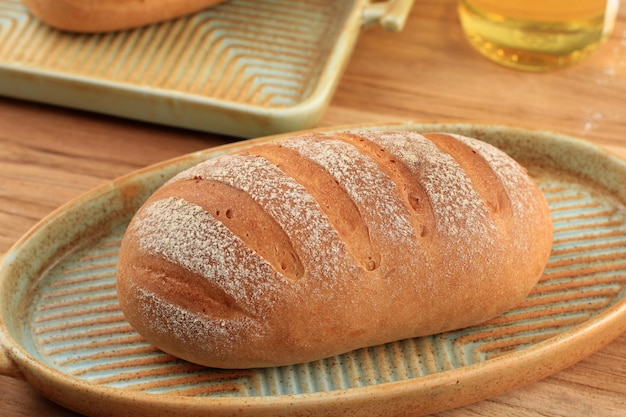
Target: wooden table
<point>428,73</point>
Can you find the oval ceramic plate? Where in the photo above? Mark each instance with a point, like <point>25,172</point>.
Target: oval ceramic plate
<point>63,329</point>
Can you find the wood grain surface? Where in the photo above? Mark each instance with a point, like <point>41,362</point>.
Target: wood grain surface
<point>427,73</point>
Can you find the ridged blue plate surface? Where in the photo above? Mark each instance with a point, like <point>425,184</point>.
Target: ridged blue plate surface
<point>78,327</point>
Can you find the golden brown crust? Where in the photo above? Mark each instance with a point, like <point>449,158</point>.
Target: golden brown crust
<point>92,16</point>
<point>447,232</point>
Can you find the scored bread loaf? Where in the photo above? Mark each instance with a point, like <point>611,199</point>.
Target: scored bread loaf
<point>320,244</point>
<point>92,16</point>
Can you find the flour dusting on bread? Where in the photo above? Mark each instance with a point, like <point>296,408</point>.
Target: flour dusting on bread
<point>186,235</point>
<point>289,204</point>
<point>373,192</point>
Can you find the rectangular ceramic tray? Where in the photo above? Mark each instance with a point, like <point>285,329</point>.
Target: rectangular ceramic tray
<point>61,326</point>
<point>244,68</point>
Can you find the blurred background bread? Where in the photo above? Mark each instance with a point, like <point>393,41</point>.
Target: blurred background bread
<point>91,16</point>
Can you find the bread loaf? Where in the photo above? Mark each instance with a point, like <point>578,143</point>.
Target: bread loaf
<point>91,16</point>
<point>320,244</point>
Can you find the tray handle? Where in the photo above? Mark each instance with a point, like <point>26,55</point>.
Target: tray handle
<point>391,14</point>
<point>8,367</point>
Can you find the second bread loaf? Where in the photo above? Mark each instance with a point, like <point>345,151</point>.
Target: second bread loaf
<point>93,16</point>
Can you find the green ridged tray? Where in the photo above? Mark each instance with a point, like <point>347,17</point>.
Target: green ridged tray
<point>245,68</point>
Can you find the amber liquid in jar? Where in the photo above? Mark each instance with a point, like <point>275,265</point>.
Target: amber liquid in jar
<point>537,35</point>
